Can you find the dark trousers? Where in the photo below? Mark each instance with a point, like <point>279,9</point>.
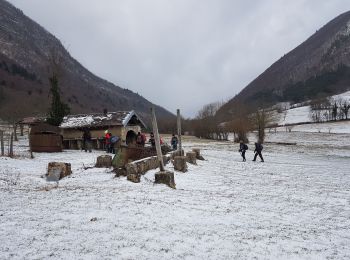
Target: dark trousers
<point>87,146</point>
<point>243,155</point>
<point>260,155</point>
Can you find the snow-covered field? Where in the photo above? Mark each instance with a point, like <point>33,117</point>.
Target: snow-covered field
<point>296,205</point>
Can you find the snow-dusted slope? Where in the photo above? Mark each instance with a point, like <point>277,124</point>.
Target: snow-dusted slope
<point>295,116</point>
<point>300,115</point>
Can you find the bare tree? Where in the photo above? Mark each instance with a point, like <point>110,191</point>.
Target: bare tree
<point>240,124</point>
<point>345,110</point>
<point>261,119</point>
<point>206,124</point>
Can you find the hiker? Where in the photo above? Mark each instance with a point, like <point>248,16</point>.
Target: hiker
<point>242,149</point>
<point>152,140</point>
<point>113,141</point>
<point>143,139</point>
<point>107,141</point>
<point>174,141</point>
<point>87,140</point>
<point>257,151</point>
<point>139,139</point>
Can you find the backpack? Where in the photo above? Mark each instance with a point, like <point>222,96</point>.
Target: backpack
<point>139,139</point>
<point>114,139</point>
<point>245,147</point>
<point>261,147</point>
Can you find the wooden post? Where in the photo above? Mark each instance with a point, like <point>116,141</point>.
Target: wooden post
<point>11,146</point>
<point>2,143</point>
<point>179,131</point>
<point>156,137</point>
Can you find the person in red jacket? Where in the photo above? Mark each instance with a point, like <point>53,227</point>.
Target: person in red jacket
<point>108,141</point>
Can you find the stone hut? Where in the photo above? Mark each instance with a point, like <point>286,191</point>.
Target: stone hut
<point>124,124</point>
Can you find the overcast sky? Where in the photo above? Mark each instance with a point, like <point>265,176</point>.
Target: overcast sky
<point>181,53</point>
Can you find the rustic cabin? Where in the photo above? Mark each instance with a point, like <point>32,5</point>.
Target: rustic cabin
<point>42,136</point>
<point>124,124</point>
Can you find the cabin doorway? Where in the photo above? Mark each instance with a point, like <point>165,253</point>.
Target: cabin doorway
<point>131,138</point>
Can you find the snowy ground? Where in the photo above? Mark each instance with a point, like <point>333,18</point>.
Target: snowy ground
<point>296,205</point>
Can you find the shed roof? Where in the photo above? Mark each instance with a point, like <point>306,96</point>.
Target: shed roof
<point>121,118</point>
<point>32,120</point>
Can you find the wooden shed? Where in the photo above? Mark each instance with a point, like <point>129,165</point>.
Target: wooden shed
<point>124,124</point>
<point>45,138</point>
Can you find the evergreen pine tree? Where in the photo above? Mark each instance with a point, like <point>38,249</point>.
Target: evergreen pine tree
<point>58,109</point>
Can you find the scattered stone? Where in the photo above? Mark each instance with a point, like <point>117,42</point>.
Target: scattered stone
<point>165,148</point>
<point>180,164</point>
<point>131,168</point>
<point>177,153</point>
<point>165,177</point>
<point>58,170</point>
<point>121,171</point>
<point>198,154</point>
<point>104,161</point>
<point>134,177</point>
<point>191,157</point>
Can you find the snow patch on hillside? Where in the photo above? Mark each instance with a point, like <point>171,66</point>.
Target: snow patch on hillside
<point>301,114</point>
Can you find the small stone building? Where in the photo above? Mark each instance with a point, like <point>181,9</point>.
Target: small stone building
<point>124,124</point>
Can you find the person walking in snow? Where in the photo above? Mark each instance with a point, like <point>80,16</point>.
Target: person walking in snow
<point>242,149</point>
<point>87,140</point>
<point>257,151</point>
<point>139,139</point>
<point>174,141</point>
<point>107,141</point>
<point>152,140</point>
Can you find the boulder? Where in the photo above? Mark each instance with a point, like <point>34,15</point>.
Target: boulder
<point>104,161</point>
<point>165,177</point>
<point>121,171</point>
<point>131,168</point>
<point>133,177</point>
<point>198,154</point>
<point>180,164</point>
<point>191,157</point>
<point>58,170</point>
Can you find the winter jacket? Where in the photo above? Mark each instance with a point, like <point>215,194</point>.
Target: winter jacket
<point>243,147</point>
<point>258,147</point>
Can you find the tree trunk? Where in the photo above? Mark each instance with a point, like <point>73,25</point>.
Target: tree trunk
<point>15,131</point>
<point>2,143</point>
<point>11,146</point>
<point>21,127</point>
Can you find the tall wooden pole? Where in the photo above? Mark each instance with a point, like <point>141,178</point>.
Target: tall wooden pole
<point>179,130</point>
<point>157,139</point>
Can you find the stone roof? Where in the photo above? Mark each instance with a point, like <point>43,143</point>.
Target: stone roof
<point>119,118</point>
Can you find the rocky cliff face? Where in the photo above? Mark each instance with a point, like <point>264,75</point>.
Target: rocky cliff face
<point>319,66</point>
<point>26,54</point>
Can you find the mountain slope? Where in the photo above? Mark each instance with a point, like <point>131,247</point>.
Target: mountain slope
<point>319,66</point>
<point>26,54</point>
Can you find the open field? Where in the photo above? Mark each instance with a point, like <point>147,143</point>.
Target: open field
<point>296,205</point>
